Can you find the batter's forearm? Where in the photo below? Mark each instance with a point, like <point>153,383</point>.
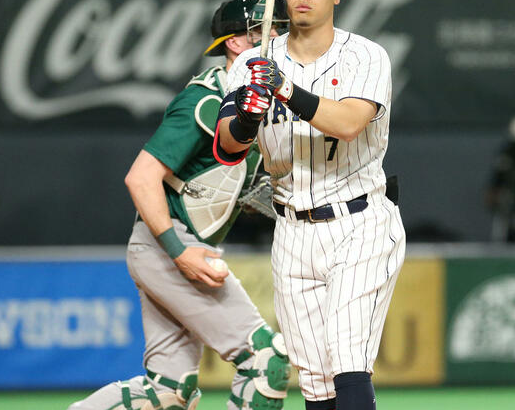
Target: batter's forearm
<point>344,119</point>
<point>331,117</point>
<point>227,140</point>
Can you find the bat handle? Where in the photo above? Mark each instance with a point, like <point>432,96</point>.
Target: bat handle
<point>266,27</point>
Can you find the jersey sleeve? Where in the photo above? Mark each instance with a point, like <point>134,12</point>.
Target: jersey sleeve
<point>178,137</point>
<point>239,73</point>
<point>367,75</point>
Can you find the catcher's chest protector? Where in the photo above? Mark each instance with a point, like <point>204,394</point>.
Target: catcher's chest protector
<point>209,197</point>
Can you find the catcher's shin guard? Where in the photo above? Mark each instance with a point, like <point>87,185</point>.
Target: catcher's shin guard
<point>266,382</point>
<point>185,396</point>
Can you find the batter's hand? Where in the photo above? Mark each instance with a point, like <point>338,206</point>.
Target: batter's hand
<point>252,103</point>
<point>266,73</point>
<point>192,263</point>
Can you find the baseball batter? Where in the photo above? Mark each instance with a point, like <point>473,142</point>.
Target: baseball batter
<point>320,107</point>
<point>186,205</point>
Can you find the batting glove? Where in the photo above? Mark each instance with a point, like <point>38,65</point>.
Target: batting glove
<point>252,103</point>
<point>266,73</point>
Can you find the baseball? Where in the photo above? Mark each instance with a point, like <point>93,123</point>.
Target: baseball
<point>219,265</point>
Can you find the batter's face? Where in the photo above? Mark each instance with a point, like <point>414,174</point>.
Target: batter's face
<point>311,13</point>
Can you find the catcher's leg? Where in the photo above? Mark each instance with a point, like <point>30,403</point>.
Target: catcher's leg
<point>110,397</point>
<point>169,349</point>
<point>168,345</point>
<point>222,318</point>
<point>263,372</point>
<point>144,393</point>
<point>172,348</point>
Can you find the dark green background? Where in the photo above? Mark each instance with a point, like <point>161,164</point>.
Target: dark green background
<point>463,277</point>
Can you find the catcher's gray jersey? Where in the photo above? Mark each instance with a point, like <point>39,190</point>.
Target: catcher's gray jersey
<point>333,279</point>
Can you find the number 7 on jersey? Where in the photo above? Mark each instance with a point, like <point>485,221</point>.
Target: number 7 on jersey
<point>332,150</point>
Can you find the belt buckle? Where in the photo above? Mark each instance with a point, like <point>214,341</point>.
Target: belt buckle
<point>310,217</point>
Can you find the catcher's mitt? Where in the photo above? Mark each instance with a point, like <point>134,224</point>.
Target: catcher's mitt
<point>259,198</point>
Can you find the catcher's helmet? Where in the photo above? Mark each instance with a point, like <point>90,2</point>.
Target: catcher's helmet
<point>239,16</point>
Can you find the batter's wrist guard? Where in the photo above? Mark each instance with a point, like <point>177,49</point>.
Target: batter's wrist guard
<point>244,133</point>
<point>301,102</point>
<point>284,93</point>
<point>171,243</point>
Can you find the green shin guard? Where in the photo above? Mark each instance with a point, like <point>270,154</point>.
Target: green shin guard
<point>267,380</point>
<point>184,395</point>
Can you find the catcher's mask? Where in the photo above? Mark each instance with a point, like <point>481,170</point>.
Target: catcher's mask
<point>243,16</point>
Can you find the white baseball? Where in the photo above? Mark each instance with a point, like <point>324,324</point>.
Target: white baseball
<point>218,264</point>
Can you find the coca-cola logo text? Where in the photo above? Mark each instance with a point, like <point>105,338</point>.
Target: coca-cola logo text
<point>166,40</point>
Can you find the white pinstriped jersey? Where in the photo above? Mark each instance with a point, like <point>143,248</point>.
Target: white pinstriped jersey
<point>310,169</point>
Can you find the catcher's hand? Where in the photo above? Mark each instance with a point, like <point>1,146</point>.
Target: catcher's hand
<point>193,264</point>
<point>266,73</point>
<point>258,198</point>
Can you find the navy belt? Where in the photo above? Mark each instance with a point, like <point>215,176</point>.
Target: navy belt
<point>325,212</point>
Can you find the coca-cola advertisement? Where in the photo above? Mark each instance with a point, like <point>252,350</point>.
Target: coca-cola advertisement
<point>71,58</point>
<point>122,61</point>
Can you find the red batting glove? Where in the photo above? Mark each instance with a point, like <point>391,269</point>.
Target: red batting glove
<point>266,73</point>
<point>252,103</point>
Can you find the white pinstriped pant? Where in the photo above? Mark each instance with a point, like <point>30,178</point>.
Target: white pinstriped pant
<point>333,285</point>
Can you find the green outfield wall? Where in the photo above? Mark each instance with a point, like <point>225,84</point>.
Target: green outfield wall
<point>480,321</point>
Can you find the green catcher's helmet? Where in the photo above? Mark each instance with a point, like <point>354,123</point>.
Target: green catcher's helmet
<point>241,16</point>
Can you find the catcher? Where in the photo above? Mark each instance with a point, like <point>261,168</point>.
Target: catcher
<point>186,204</point>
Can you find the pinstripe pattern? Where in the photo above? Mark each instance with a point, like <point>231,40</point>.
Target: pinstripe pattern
<point>333,280</point>
<point>333,284</point>
<point>362,69</point>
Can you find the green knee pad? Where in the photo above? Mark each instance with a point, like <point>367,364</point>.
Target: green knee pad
<point>267,380</point>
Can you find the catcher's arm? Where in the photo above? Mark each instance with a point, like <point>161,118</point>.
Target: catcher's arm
<point>145,184</point>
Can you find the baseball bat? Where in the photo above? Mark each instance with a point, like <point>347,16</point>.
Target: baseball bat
<point>266,27</point>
